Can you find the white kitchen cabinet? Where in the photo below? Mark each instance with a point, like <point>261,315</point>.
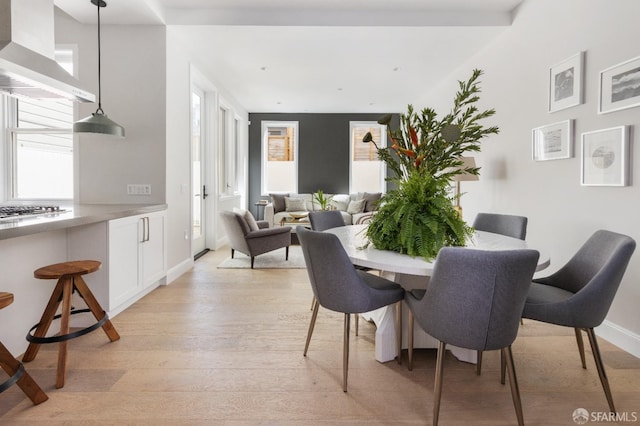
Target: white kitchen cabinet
<point>137,257</point>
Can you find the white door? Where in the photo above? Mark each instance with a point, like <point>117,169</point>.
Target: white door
<point>198,182</point>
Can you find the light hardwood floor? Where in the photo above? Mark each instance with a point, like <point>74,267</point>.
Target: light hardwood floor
<point>224,346</point>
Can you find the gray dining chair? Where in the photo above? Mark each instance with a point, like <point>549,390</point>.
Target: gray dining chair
<point>503,224</point>
<point>474,300</point>
<point>580,293</point>
<point>339,287</point>
<point>327,219</point>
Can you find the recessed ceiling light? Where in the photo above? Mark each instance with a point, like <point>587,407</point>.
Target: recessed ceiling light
<point>396,68</point>
<point>263,68</point>
<point>339,89</point>
<point>279,103</point>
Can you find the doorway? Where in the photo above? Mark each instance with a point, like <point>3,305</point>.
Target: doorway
<point>198,173</point>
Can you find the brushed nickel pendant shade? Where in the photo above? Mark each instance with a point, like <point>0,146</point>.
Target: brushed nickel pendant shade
<point>98,122</point>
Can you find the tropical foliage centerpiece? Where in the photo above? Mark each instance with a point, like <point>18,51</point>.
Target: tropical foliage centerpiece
<point>418,217</point>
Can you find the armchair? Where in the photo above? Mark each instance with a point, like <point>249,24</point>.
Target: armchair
<point>249,238</point>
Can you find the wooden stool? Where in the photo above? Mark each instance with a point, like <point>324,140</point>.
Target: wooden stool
<point>69,275</point>
<point>15,369</point>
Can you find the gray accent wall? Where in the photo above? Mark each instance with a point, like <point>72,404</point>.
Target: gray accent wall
<point>323,143</point>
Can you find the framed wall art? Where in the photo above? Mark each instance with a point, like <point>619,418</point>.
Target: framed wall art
<point>553,141</point>
<point>605,157</point>
<point>620,86</point>
<point>565,83</point>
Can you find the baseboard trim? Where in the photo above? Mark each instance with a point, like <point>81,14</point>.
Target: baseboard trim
<point>179,269</point>
<point>621,337</point>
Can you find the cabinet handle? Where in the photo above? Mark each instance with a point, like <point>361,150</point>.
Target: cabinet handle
<point>145,229</point>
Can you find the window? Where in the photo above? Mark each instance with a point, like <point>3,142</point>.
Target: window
<point>279,156</point>
<point>40,145</point>
<point>367,172</point>
<point>228,151</point>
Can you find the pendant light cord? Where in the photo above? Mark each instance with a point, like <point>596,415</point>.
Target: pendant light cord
<point>99,110</point>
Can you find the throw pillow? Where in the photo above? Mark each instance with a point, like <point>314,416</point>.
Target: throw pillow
<point>371,201</point>
<point>356,206</point>
<point>248,217</point>
<point>295,204</point>
<point>340,202</point>
<point>278,202</point>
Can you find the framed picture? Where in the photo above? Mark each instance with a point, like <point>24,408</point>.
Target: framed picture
<point>605,157</point>
<point>553,141</point>
<point>565,83</point>
<point>620,86</point>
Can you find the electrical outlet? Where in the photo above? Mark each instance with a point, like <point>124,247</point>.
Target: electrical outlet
<point>138,189</point>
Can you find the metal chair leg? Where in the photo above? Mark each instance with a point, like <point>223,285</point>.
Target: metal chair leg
<point>513,381</point>
<point>357,322</point>
<point>312,324</point>
<point>580,347</point>
<point>410,340</point>
<point>437,388</point>
<point>503,367</point>
<point>479,363</point>
<point>399,331</point>
<point>345,358</point>
<point>600,366</point>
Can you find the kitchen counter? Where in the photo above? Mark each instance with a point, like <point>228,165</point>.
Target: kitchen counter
<point>73,215</point>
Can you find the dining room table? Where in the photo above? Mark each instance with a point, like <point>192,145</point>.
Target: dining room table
<point>412,273</point>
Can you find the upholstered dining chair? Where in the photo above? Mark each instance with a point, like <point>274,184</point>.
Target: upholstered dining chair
<point>580,293</point>
<point>323,220</point>
<point>474,300</point>
<point>339,287</point>
<point>503,224</point>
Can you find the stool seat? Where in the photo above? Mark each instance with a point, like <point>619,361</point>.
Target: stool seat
<point>69,275</point>
<point>74,267</point>
<point>15,369</point>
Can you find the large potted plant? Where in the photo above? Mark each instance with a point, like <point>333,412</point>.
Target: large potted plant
<point>418,217</point>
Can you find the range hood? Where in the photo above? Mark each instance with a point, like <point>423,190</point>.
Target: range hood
<point>27,65</point>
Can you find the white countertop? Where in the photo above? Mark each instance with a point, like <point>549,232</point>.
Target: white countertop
<point>73,215</point>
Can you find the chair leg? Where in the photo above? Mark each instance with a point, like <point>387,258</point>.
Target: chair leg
<point>513,382</point>
<point>312,324</point>
<point>45,322</point>
<point>580,347</point>
<point>503,367</point>
<point>95,308</point>
<point>313,303</point>
<point>345,355</point>
<point>232,253</point>
<point>410,340</point>
<point>399,331</point>
<point>437,388</point>
<point>286,256</point>
<point>252,259</point>
<point>356,317</point>
<point>67,292</point>
<point>30,388</point>
<point>600,366</point>
<point>479,363</point>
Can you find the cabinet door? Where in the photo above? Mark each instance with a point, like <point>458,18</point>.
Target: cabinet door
<point>124,273</point>
<point>153,249</point>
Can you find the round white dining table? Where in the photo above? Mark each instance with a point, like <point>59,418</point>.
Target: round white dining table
<point>411,273</point>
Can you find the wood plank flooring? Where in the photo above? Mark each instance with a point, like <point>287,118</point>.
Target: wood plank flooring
<point>224,346</point>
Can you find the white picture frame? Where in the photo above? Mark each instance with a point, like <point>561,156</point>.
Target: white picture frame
<point>605,157</point>
<point>620,87</point>
<point>553,141</point>
<point>566,83</point>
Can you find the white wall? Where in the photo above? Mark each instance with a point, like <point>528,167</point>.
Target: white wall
<point>133,95</point>
<point>181,66</point>
<point>562,214</point>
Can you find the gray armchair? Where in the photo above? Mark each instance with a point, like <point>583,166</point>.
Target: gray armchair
<point>249,238</point>
<point>474,301</point>
<point>580,293</point>
<point>339,287</point>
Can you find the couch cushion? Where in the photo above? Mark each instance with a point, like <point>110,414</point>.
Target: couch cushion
<point>356,206</point>
<point>295,204</point>
<point>372,200</point>
<point>340,202</point>
<point>278,202</point>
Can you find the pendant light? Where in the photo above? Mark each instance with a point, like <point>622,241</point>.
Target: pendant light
<point>98,122</point>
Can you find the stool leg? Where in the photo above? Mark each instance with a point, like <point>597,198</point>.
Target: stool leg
<point>67,292</point>
<point>45,321</point>
<point>26,382</point>
<point>95,307</point>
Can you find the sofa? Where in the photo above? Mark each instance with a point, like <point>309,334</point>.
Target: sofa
<point>355,208</point>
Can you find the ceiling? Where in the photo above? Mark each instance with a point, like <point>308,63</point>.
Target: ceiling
<point>319,56</point>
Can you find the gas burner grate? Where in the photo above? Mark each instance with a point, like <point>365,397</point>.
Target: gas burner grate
<point>27,210</point>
